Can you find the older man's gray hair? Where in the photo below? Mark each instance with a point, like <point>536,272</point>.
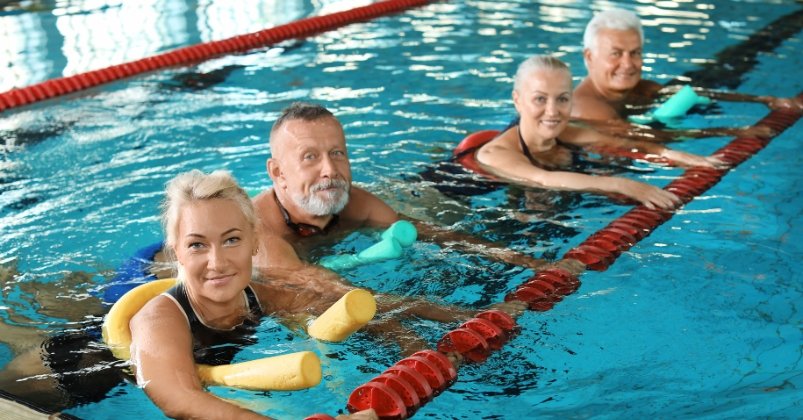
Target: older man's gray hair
<point>616,19</point>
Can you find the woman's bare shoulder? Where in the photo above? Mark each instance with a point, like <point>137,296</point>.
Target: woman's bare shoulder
<point>162,309</point>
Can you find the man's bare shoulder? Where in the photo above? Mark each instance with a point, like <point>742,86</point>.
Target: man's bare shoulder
<point>590,107</point>
<point>366,207</point>
<point>646,88</point>
<point>263,200</point>
<point>272,223</point>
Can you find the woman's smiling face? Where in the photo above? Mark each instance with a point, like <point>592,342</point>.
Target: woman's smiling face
<point>214,248</point>
<point>544,102</point>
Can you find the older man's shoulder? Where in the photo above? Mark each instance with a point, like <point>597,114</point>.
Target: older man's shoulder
<point>592,107</point>
<point>646,88</point>
<point>366,207</point>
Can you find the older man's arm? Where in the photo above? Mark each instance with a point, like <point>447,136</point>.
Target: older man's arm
<point>599,114</point>
<point>772,102</point>
<point>472,245</point>
<point>379,214</point>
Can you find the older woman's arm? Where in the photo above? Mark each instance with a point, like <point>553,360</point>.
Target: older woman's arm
<point>512,164</point>
<point>161,352</point>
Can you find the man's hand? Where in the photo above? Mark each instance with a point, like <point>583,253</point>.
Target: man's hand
<point>691,160</point>
<point>774,103</point>
<point>517,258</point>
<point>514,308</point>
<point>368,414</point>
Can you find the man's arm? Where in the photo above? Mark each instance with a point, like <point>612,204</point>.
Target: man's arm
<point>471,245</point>
<point>377,213</point>
<point>590,108</point>
<point>772,102</point>
<point>600,115</point>
<point>584,137</point>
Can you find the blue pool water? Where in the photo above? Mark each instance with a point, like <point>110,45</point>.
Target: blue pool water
<point>699,320</point>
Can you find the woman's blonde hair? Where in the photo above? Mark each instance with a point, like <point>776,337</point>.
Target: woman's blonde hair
<point>535,63</point>
<point>194,186</point>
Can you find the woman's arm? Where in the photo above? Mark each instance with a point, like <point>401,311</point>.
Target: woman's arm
<point>161,351</point>
<point>512,164</point>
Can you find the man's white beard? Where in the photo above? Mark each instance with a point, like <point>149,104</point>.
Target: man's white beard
<point>332,202</point>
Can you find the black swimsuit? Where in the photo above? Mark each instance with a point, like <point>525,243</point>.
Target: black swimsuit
<point>576,160</point>
<point>212,346</point>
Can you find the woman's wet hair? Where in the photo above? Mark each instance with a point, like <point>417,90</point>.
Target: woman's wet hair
<point>536,63</point>
<point>194,186</point>
<point>616,19</point>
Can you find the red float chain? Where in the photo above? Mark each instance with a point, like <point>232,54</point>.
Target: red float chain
<point>476,338</point>
<point>204,51</point>
<point>601,249</point>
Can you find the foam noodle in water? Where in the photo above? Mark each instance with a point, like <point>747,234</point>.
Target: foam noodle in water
<point>679,103</point>
<point>346,316</point>
<point>288,372</point>
<point>398,236</point>
<point>403,231</point>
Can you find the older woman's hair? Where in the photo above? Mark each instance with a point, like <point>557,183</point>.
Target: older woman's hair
<point>617,19</point>
<point>194,186</point>
<point>538,62</point>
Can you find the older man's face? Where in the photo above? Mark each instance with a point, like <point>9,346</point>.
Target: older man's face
<point>615,63</point>
<point>314,165</point>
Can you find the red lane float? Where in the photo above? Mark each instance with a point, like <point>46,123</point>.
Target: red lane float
<point>598,251</point>
<point>200,52</point>
<point>406,386</point>
<point>639,222</point>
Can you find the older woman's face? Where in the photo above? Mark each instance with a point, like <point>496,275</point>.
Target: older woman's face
<point>214,248</point>
<point>544,102</point>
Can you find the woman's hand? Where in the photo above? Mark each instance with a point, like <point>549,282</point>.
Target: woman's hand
<point>650,196</point>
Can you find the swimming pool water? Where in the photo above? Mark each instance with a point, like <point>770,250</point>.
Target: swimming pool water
<point>697,321</point>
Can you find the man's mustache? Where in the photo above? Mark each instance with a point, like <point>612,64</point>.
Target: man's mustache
<point>332,183</point>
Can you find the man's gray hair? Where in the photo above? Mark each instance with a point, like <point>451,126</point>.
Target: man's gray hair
<point>617,19</point>
<point>301,111</point>
<point>535,63</point>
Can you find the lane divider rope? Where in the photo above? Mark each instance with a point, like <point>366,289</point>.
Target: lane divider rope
<point>299,29</point>
<point>477,338</point>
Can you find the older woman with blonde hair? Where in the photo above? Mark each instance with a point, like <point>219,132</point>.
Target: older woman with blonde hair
<point>540,147</point>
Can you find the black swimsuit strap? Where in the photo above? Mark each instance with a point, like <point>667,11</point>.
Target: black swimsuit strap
<point>525,149</point>
<point>179,293</point>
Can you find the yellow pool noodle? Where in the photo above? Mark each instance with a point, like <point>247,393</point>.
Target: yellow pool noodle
<point>346,316</point>
<point>116,331</point>
<point>288,372</point>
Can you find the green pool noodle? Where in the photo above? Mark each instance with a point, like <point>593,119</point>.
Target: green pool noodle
<point>394,239</point>
<point>403,231</point>
<point>342,262</point>
<point>680,103</point>
<point>386,249</point>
